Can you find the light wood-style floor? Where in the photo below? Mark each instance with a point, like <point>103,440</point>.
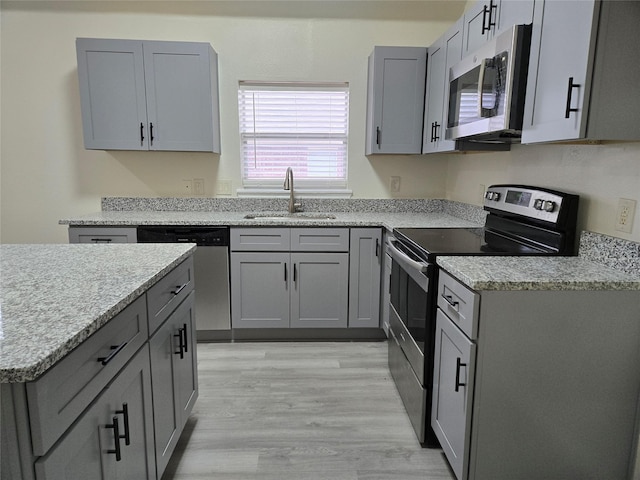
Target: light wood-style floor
<point>303,411</point>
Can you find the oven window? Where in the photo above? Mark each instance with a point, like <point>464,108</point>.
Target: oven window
<point>410,302</point>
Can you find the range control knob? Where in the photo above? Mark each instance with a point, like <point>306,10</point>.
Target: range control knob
<point>549,206</point>
<point>538,204</point>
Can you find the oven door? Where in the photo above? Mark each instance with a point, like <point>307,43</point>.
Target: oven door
<point>409,304</point>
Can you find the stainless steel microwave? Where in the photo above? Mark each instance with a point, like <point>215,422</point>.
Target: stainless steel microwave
<point>487,89</point>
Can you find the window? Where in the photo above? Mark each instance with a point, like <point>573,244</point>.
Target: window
<point>298,125</point>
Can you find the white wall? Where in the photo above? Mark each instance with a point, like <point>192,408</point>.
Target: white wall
<point>48,175</point>
<point>600,174</point>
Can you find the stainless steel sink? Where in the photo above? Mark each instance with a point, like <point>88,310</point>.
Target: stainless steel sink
<point>289,216</point>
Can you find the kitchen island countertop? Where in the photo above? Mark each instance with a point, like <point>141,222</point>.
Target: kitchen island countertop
<point>53,297</point>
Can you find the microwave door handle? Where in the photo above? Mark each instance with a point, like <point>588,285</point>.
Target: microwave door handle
<point>483,67</point>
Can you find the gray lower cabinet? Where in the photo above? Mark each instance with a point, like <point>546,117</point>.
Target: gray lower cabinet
<point>148,95</point>
<point>103,235</point>
<point>172,350</point>
<point>365,270</point>
<point>260,289</point>
<point>114,406</point>
<point>320,283</point>
<point>113,439</point>
<point>454,360</point>
<point>282,290</point>
<point>289,278</point>
<point>532,384</point>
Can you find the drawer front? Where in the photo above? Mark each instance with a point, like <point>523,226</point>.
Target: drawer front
<point>459,303</point>
<point>169,292</point>
<point>413,395</point>
<point>319,239</point>
<point>260,239</point>
<point>58,397</point>
<point>102,235</point>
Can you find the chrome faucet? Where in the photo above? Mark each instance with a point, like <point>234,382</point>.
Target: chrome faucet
<point>288,185</point>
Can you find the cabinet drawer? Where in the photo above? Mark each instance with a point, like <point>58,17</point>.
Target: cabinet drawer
<point>260,239</point>
<point>102,235</point>
<point>58,397</point>
<point>319,239</point>
<point>459,303</point>
<point>166,295</point>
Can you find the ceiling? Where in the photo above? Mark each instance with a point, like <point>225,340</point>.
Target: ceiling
<point>410,10</point>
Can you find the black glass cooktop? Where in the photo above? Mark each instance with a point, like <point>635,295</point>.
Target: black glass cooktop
<point>427,243</point>
<point>443,241</point>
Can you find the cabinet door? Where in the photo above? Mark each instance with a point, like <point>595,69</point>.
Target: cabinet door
<point>319,290</point>
<point>88,448</point>
<point>260,289</point>
<point>443,54</point>
<point>452,393</point>
<point>435,98</point>
<point>174,379</point>
<point>365,262</point>
<point>559,71</point>
<point>112,94</point>
<point>479,25</point>
<point>487,18</point>
<point>514,12</point>
<point>179,95</point>
<point>395,100</point>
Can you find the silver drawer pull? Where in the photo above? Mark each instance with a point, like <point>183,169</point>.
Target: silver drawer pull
<point>450,301</point>
<point>179,288</point>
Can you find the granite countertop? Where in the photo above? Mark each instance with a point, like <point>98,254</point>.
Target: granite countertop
<point>52,297</point>
<point>537,273</point>
<point>342,219</point>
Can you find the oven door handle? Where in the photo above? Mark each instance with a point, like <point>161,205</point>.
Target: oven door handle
<point>416,270</point>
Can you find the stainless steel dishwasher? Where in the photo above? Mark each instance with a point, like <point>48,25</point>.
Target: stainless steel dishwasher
<point>211,261</point>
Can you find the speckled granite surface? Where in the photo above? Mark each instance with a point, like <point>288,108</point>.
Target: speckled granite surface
<point>537,273</point>
<point>356,219</point>
<point>53,297</point>
<point>616,253</point>
<point>471,213</point>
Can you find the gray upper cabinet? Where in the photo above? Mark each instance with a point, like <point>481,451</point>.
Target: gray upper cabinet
<point>583,79</point>
<point>484,19</point>
<point>395,100</point>
<point>443,54</point>
<point>148,95</point>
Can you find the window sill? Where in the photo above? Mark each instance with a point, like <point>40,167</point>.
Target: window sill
<point>298,193</point>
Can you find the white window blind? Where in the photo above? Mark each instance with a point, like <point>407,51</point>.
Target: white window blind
<point>298,125</point>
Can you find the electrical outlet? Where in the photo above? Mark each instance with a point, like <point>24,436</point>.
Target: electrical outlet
<point>198,186</point>
<point>223,187</point>
<point>481,192</point>
<point>186,186</point>
<point>624,215</point>
<point>394,184</point>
